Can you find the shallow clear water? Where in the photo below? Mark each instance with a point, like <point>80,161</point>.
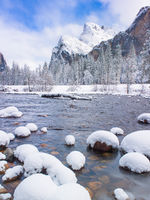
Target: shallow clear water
<point>80,118</point>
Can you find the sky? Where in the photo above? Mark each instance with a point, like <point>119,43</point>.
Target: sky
<point>29,29</point>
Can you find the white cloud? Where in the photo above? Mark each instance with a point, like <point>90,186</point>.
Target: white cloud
<point>125,10</point>
<point>24,46</point>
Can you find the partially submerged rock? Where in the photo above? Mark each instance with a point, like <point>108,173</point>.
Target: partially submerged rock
<point>9,154</point>
<point>22,151</point>
<point>3,166</point>
<point>32,127</point>
<point>10,112</point>
<point>76,160</point>
<point>22,131</point>
<point>120,194</point>
<point>103,141</point>
<point>4,139</point>
<point>144,118</point>
<point>135,162</point>
<point>117,131</point>
<point>138,141</point>
<point>13,174</point>
<point>70,140</point>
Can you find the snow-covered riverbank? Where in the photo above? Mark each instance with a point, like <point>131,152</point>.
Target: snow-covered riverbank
<point>121,89</point>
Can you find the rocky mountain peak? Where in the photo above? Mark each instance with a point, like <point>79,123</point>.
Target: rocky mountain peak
<point>93,34</point>
<point>2,63</point>
<point>141,26</point>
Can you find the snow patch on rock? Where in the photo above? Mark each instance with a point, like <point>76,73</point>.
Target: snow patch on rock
<point>2,156</point>
<point>44,129</point>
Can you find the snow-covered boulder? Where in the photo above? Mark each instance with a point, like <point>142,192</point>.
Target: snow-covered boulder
<point>33,164</point>
<point>136,162</point>
<point>4,139</point>
<point>71,191</point>
<point>61,174</point>
<point>3,166</point>
<point>22,131</point>
<point>70,140</point>
<point>44,129</point>
<point>11,136</point>
<point>138,141</point>
<point>117,131</point>
<point>10,112</point>
<point>120,194</point>
<point>12,174</point>
<point>37,187</point>
<point>144,118</point>
<point>103,141</point>
<point>2,156</point>
<point>76,160</point>
<point>32,127</point>
<point>22,151</point>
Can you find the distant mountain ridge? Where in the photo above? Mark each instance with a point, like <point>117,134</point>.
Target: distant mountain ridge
<point>99,57</point>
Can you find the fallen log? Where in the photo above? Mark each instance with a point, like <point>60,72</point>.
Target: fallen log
<point>73,97</point>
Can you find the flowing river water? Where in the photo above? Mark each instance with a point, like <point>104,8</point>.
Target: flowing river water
<point>101,174</point>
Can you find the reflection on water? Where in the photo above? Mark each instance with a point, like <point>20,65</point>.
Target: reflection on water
<point>101,174</point>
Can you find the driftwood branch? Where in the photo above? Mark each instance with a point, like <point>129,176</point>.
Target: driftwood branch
<point>73,97</point>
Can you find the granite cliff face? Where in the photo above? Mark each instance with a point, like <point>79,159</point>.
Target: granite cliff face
<point>2,63</point>
<point>123,59</point>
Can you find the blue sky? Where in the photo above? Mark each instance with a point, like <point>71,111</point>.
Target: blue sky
<point>29,29</point>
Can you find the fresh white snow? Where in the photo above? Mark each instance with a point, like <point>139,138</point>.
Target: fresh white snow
<point>71,191</point>
<point>138,141</point>
<point>32,127</point>
<point>76,160</point>
<point>120,194</point>
<point>33,164</point>
<point>3,164</point>
<point>136,162</point>
<point>10,112</point>
<point>44,129</point>
<point>12,173</point>
<point>2,156</point>
<point>22,131</point>
<point>117,131</point>
<point>5,196</point>
<point>22,151</point>
<point>144,117</point>
<point>93,34</point>
<point>104,137</point>
<point>4,139</point>
<point>11,136</point>
<point>70,140</point>
<point>35,187</point>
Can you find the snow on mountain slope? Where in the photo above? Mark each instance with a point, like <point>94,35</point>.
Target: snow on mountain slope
<point>72,45</point>
<point>93,34</point>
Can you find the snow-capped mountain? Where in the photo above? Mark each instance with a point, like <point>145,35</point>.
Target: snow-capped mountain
<point>123,59</point>
<point>93,34</point>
